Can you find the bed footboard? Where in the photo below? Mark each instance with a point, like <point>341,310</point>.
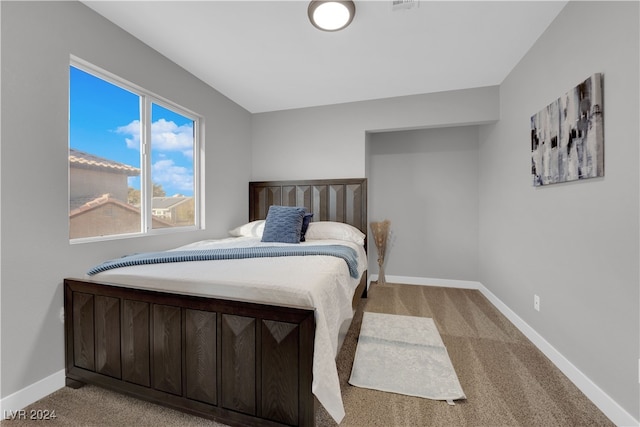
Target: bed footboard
<point>236,362</point>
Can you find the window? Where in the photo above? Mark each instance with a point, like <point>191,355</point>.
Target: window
<point>134,159</point>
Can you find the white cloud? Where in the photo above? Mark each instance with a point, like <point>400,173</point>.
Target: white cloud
<point>165,136</point>
<point>166,173</point>
<point>132,129</point>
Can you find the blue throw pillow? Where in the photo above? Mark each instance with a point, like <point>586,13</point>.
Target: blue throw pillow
<point>305,224</point>
<point>283,224</point>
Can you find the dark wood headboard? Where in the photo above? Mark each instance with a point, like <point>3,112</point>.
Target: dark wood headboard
<point>340,200</point>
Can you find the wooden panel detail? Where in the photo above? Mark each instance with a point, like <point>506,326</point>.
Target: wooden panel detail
<point>239,363</point>
<point>303,197</point>
<point>200,354</point>
<point>320,202</point>
<point>354,199</point>
<point>280,373</point>
<point>306,399</point>
<point>108,336</point>
<point>167,341</point>
<point>83,331</point>
<point>288,195</point>
<point>336,203</point>
<point>135,342</point>
<point>262,198</point>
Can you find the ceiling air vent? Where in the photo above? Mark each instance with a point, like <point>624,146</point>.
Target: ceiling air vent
<point>404,4</point>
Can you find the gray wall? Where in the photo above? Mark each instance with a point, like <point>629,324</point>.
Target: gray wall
<point>573,244</point>
<point>330,142</point>
<point>37,40</point>
<point>426,183</point>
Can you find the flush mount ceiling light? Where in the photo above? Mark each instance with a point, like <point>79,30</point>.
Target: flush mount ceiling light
<point>331,15</point>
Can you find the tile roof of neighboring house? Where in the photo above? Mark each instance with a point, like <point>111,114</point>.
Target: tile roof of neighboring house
<point>81,206</point>
<point>81,159</point>
<point>168,202</point>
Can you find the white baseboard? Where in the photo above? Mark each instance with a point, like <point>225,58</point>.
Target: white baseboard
<point>36,391</point>
<point>422,281</point>
<point>602,400</point>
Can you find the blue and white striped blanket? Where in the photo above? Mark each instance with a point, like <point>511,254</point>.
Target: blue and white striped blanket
<point>346,253</point>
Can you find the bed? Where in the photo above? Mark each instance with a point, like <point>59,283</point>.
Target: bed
<point>251,348</point>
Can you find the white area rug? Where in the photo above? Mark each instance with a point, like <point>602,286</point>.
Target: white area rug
<point>406,355</point>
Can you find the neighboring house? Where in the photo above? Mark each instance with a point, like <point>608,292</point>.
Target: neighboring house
<point>177,210</point>
<point>92,176</point>
<point>98,192</point>
<point>105,215</point>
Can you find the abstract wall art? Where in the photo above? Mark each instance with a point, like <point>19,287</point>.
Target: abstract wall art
<point>567,136</point>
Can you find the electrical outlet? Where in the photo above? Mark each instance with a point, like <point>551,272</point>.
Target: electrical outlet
<point>536,302</point>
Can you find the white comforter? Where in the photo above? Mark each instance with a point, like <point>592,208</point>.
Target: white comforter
<point>322,282</point>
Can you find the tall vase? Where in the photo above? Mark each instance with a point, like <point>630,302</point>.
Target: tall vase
<point>380,232</point>
<point>381,278</point>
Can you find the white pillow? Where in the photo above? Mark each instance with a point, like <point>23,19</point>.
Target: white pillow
<point>251,229</point>
<point>320,230</point>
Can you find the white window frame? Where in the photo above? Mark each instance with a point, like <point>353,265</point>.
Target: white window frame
<point>148,98</point>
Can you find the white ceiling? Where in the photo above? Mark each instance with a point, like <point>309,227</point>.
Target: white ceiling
<point>266,56</point>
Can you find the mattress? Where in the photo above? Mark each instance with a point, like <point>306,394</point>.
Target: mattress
<point>318,281</point>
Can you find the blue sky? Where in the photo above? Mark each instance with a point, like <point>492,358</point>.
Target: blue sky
<point>104,120</point>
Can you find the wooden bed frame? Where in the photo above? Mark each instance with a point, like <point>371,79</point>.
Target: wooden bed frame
<point>239,363</point>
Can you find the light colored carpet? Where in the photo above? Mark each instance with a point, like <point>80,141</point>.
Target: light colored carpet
<point>404,354</point>
<point>507,380</point>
